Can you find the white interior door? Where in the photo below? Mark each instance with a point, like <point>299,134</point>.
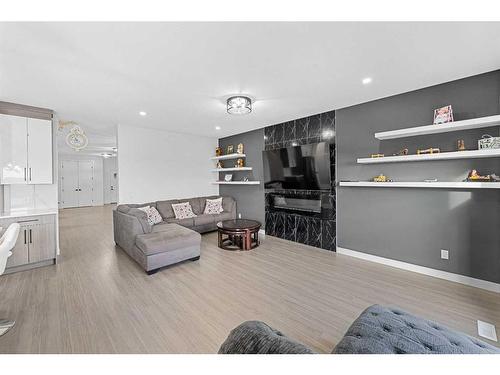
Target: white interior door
<point>85,182</point>
<point>113,196</point>
<point>13,150</point>
<point>39,151</point>
<point>69,183</point>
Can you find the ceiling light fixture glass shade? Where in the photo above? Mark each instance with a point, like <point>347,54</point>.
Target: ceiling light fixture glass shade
<point>239,105</point>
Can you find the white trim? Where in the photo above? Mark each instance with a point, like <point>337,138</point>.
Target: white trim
<point>474,123</point>
<point>422,184</point>
<point>466,280</point>
<point>262,233</point>
<point>470,154</point>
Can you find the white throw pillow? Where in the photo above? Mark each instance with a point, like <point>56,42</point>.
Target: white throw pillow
<point>213,206</point>
<point>183,210</point>
<point>154,216</point>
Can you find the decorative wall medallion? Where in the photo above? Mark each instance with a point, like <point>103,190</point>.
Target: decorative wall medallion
<point>76,138</point>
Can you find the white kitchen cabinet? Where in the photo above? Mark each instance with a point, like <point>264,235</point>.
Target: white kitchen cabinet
<point>13,149</point>
<point>26,150</point>
<point>39,151</point>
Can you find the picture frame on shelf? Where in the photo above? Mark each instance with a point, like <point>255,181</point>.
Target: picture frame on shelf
<point>229,149</point>
<point>228,177</point>
<point>443,115</point>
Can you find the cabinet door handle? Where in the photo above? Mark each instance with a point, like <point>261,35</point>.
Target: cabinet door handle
<point>30,174</point>
<point>25,175</point>
<point>25,237</point>
<point>31,238</point>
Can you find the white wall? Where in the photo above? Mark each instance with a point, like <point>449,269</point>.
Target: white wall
<point>98,194</point>
<point>155,165</point>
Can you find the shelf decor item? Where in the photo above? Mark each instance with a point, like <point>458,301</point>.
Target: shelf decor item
<point>239,149</point>
<point>373,156</point>
<point>228,177</point>
<point>381,178</point>
<point>218,151</point>
<point>402,152</point>
<point>220,164</point>
<point>240,163</point>
<point>443,115</point>
<point>460,145</point>
<point>475,176</point>
<point>487,141</point>
<point>229,149</point>
<point>431,150</point>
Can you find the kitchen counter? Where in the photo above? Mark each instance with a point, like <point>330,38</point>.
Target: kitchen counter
<point>28,212</point>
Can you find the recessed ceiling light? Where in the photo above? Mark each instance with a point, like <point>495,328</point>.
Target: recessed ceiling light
<point>142,113</point>
<point>366,80</point>
<point>217,128</point>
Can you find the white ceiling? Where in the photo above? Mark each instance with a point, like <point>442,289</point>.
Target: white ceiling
<point>103,74</point>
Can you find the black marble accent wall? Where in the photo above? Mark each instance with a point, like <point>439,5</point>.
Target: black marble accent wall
<point>319,229</point>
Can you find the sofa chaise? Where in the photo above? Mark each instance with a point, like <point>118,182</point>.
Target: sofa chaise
<point>378,330</point>
<point>171,241</point>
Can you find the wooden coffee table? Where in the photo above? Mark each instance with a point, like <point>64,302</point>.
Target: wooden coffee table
<point>238,234</point>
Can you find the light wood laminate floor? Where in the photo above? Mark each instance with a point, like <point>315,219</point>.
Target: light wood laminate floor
<point>98,300</point>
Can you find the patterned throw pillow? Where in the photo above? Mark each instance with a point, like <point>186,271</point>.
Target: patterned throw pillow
<point>213,206</point>
<point>154,216</point>
<point>183,210</point>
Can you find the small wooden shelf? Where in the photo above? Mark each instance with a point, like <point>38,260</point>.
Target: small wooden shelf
<point>473,154</point>
<point>228,156</point>
<point>236,182</point>
<point>421,184</point>
<point>235,169</point>
<point>475,123</point>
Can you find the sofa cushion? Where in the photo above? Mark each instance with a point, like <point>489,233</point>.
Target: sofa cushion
<point>383,330</point>
<point>142,217</point>
<point>223,216</point>
<point>254,337</point>
<point>189,223</point>
<point>172,238</point>
<point>154,216</point>
<point>203,219</point>
<point>165,208</point>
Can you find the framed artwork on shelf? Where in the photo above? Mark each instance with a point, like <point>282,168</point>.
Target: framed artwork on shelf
<point>443,115</point>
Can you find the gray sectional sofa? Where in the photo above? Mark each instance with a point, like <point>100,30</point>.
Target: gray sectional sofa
<point>378,330</point>
<point>171,241</point>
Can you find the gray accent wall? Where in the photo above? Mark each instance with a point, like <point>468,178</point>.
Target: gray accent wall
<point>412,225</point>
<point>250,198</point>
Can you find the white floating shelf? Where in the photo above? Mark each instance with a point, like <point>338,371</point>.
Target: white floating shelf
<point>473,154</point>
<point>233,169</point>
<point>420,184</point>
<point>475,123</point>
<point>228,156</point>
<point>236,182</point>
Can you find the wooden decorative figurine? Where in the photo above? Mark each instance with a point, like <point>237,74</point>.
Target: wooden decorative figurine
<point>461,145</point>
<point>241,163</point>
<point>475,176</point>
<point>218,151</point>
<point>239,150</point>
<point>429,151</point>
<point>220,165</point>
<point>377,156</point>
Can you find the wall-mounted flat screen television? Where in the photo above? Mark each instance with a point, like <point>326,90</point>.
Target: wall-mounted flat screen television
<point>305,167</point>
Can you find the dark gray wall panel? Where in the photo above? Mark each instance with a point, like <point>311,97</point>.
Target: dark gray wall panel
<point>412,225</point>
<point>249,198</point>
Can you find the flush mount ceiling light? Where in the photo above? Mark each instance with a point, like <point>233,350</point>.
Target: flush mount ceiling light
<point>217,128</point>
<point>239,105</point>
<point>366,80</point>
<point>142,113</point>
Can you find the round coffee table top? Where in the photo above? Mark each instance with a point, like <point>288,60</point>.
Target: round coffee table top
<point>238,224</point>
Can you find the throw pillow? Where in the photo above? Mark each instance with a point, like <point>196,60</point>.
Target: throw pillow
<point>154,216</point>
<point>213,206</point>
<point>183,210</point>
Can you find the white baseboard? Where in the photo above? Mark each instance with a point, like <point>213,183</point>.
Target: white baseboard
<point>466,280</point>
